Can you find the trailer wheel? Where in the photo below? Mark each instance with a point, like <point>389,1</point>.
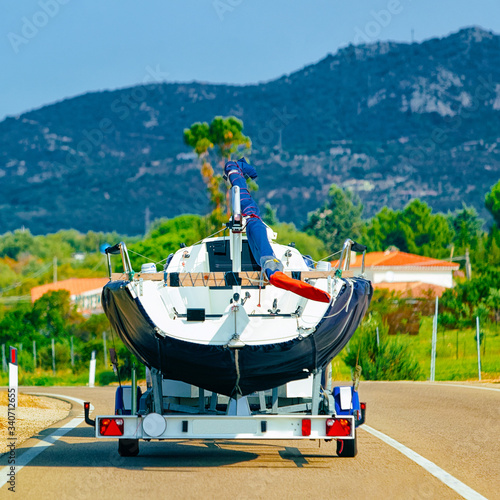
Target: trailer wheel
<point>128,447</point>
<point>347,448</point>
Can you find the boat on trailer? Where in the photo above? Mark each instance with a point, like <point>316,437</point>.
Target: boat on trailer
<point>237,333</point>
<point>212,319</point>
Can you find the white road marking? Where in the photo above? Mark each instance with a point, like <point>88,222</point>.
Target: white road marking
<point>463,385</point>
<point>45,442</point>
<point>59,396</point>
<point>450,481</point>
<point>439,384</point>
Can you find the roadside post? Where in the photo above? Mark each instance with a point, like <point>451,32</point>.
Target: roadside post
<point>92,370</point>
<point>13,375</point>
<point>378,338</point>
<point>478,339</point>
<point>34,354</point>
<point>434,341</point>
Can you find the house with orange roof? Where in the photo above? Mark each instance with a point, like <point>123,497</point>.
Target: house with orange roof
<point>406,273</point>
<point>84,292</point>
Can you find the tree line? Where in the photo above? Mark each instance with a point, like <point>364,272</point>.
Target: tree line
<point>27,260</point>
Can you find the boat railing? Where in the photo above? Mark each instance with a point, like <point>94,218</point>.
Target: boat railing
<point>345,258</point>
<point>120,249</point>
<point>221,280</point>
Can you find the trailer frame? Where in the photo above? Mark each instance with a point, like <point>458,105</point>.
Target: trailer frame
<point>330,413</point>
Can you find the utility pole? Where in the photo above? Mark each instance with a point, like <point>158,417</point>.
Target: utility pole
<point>434,341</point>
<point>4,360</point>
<point>467,264</point>
<point>105,350</point>
<point>478,341</point>
<point>147,220</point>
<point>54,266</point>
<point>466,258</point>
<point>53,357</point>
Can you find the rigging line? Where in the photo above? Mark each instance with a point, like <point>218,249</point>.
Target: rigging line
<point>328,256</point>
<point>42,270</point>
<point>260,282</point>
<point>116,357</point>
<point>206,237</point>
<point>99,264</point>
<point>346,307</point>
<point>140,254</point>
<point>203,239</point>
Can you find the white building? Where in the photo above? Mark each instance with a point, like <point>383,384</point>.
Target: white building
<point>400,271</point>
<point>84,292</point>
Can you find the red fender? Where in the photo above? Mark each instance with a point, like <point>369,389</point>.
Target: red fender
<point>281,280</point>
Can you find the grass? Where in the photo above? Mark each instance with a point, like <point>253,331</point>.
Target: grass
<point>456,353</point>
<point>452,362</point>
<point>340,371</point>
<point>43,378</point>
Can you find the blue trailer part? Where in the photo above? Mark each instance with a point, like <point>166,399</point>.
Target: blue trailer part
<point>347,403</point>
<point>123,399</point>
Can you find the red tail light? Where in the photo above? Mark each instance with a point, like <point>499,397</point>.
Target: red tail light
<point>111,426</point>
<point>338,427</point>
<point>363,406</point>
<point>306,427</point>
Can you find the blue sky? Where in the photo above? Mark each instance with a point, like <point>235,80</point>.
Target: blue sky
<point>53,49</point>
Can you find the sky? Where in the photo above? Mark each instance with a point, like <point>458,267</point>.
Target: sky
<point>54,49</point>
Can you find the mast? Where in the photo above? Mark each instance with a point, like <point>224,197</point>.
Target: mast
<point>236,231</point>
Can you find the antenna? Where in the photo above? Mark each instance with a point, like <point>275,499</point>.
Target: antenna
<point>147,220</point>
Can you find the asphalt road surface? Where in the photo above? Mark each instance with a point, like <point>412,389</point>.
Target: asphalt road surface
<point>453,429</point>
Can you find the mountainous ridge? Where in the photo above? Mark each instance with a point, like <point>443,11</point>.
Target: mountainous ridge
<point>390,121</point>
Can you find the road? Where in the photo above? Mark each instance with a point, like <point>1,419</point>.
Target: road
<point>454,427</point>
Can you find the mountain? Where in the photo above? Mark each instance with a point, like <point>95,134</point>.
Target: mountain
<point>390,121</point>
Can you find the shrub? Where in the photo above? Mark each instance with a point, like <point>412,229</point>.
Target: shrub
<point>390,360</point>
<point>106,378</point>
<point>62,353</point>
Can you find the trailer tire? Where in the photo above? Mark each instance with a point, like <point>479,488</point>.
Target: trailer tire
<point>347,448</point>
<point>128,447</point>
